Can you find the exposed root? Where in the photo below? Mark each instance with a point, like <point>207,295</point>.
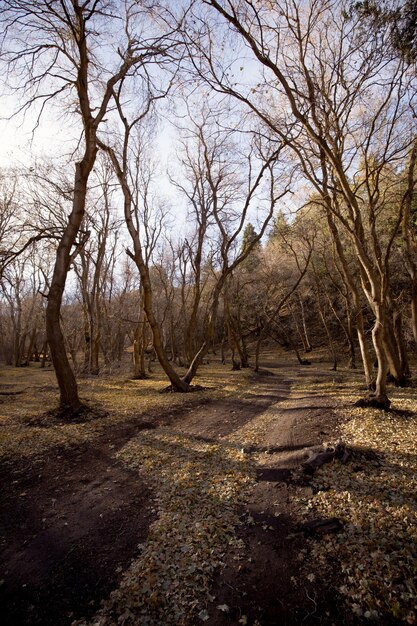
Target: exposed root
<point>320,526</point>
<point>374,402</point>
<point>319,455</point>
<point>68,415</point>
<point>191,388</point>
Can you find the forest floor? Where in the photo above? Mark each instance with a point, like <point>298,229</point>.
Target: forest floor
<point>175,509</point>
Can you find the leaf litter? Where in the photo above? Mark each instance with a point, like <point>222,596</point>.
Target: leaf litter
<point>198,486</point>
<point>374,495</point>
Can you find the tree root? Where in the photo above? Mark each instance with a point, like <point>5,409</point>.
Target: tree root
<point>374,402</point>
<point>191,388</point>
<point>322,526</point>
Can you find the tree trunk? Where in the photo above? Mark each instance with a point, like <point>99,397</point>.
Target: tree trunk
<point>45,349</point>
<point>210,330</point>
<point>232,341</point>
<point>306,342</point>
<point>139,371</point>
<point>326,328</point>
<point>65,376</point>
<point>222,355</point>
<point>301,335</point>
<point>409,240</point>
<point>363,346</point>
<point>350,334</point>
<point>413,306</point>
<point>392,351</point>
<point>399,338</point>
<point>95,354</point>
<point>244,354</point>
<point>178,384</point>
<point>31,346</point>
<point>351,284</point>
<point>380,396</point>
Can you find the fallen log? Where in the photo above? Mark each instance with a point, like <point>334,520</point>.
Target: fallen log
<point>319,455</point>
<point>322,526</point>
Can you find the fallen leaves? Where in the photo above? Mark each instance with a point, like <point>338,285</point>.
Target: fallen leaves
<point>26,432</point>
<point>197,485</point>
<point>375,497</point>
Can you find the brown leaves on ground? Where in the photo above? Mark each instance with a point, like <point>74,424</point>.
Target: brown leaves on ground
<point>199,484</point>
<point>375,496</point>
<point>28,427</point>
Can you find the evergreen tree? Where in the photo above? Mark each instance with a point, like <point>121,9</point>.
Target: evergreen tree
<point>280,227</point>
<point>249,234</point>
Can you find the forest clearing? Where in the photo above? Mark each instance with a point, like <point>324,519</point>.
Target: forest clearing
<point>188,509</point>
<point>208,312</point>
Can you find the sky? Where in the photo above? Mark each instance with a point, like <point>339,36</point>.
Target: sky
<point>21,142</point>
<point>21,146</point>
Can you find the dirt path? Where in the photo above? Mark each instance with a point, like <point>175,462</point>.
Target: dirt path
<point>71,521</point>
<point>264,588</point>
<point>69,525</point>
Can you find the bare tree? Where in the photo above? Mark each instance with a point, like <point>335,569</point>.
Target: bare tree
<point>229,213</point>
<point>80,50</point>
<point>94,263</point>
<point>344,106</point>
<point>228,186</point>
<point>21,286</point>
<point>285,265</point>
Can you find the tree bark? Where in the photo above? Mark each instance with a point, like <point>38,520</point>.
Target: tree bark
<point>139,367</point>
<point>306,341</point>
<point>380,396</point>
<point>69,397</point>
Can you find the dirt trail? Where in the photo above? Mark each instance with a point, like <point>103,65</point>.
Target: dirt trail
<point>68,523</point>
<point>262,588</point>
<point>71,521</point>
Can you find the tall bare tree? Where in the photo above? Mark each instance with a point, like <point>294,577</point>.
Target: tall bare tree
<point>80,51</point>
<point>227,188</point>
<point>343,106</point>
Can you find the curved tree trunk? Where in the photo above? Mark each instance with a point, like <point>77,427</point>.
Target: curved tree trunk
<point>65,376</point>
<point>381,397</point>
<point>178,384</point>
<point>210,331</point>
<point>351,284</point>
<point>306,340</point>
<point>350,333</point>
<point>301,335</point>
